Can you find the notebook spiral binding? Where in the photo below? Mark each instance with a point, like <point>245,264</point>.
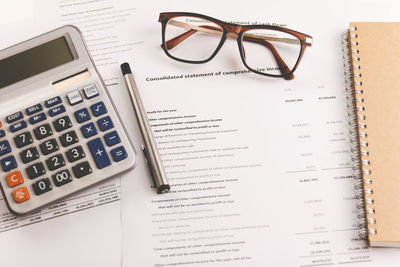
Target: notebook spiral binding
<point>358,133</point>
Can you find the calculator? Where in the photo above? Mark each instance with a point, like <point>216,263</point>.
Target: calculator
<point>59,129</point>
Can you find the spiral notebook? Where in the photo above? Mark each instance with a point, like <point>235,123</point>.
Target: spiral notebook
<point>371,52</point>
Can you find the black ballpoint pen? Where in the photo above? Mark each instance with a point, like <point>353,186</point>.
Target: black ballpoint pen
<point>149,148</point>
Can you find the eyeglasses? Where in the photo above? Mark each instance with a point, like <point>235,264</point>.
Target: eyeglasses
<point>267,50</point>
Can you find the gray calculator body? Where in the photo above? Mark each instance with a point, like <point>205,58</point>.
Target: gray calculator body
<point>59,130</point>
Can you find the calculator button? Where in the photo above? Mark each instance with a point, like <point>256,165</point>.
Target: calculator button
<point>105,123</point>
<point>69,138</point>
<point>52,102</point>
<point>34,109</point>
<point>4,147</point>
<point>37,118</point>
<point>91,91</point>
<point>43,131</point>
<point>2,133</point>
<point>82,115</point>
<point>42,186</point>
<point>23,139</point>
<point>14,179</point>
<point>98,109</point>
<point>89,130</point>
<point>61,178</point>
<point>57,110</point>
<point>112,138</point>
<point>35,170</point>
<point>29,155</point>
<point>82,169</point>
<point>14,117</point>
<point>99,153</point>
<point>49,146</point>
<point>18,126</point>
<point>8,163</point>
<point>21,194</point>
<point>55,162</point>
<point>62,124</point>
<point>75,154</point>
<point>119,153</point>
<point>74,97</point>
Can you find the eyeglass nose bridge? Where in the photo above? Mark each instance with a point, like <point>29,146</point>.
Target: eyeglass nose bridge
<point>232,31</point>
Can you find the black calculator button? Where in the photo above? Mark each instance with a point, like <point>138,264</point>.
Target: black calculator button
<point>55,162</point>
<point>42,186</point>
<point>75,154</point>
<point>69,138</point>
<point>82,169</point>
<point>49,146</point>
<point>29,155</point>
<point>62,124</point>
<point>2,133</point>
<point>61,178</point>
<point>43,131</point>
<point>35,170</point>
<point>23,139</point>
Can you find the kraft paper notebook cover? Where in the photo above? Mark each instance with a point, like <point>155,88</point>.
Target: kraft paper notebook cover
<point>372,67</point>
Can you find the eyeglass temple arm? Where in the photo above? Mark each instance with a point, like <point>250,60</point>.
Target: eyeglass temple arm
<point>284,69</point>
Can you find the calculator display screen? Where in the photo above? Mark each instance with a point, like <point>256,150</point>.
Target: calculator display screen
<point>34,61</point>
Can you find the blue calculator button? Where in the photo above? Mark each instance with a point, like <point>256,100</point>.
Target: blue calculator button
<point>2,133</point>
<point>57,110</point>
<point>99,153</point>
<point>105,123</point>
<point>37,118</point>
<point>32,110</point>
<point>14,117</point>
<point>53,101</point>
<point>112,138</point>
<point>98,109</point>
<point>8,163</point>
<point>18,126</point>
<point>4,148</point>
<point>89,130</point>
<point>82,115</point>
<point>119,154</point>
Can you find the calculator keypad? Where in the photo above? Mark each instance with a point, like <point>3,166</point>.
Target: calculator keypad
<point>53,150</point>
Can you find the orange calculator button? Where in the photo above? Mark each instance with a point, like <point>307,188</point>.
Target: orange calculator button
<point>14,178</point>
<point>1,125</point>
<point>21,194</point>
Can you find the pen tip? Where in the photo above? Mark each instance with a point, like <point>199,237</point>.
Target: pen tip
<point>126,69</point>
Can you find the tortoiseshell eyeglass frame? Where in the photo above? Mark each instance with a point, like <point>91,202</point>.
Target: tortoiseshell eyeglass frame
<point>234,30</point>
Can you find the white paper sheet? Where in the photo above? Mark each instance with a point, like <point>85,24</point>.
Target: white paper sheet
<point>84,229</point>
<point>259,167</point>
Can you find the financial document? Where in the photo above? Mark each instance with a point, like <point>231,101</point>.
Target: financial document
<point>259,168</point>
